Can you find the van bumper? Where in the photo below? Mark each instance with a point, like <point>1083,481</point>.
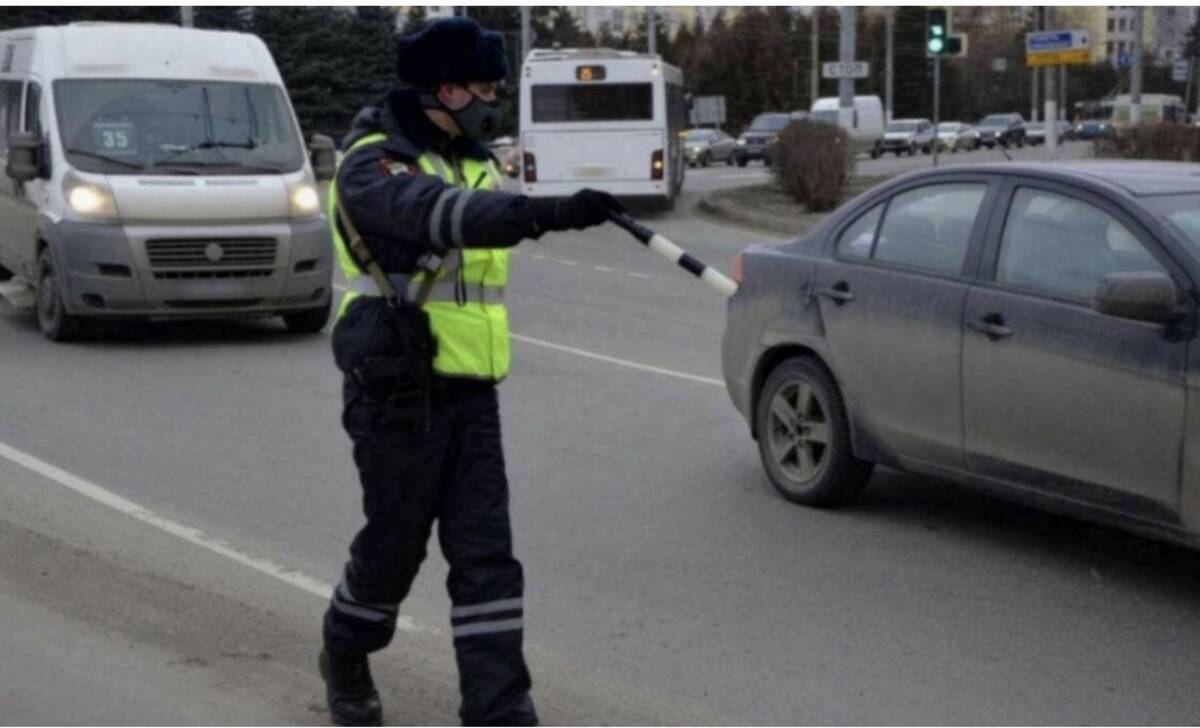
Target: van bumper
<point>162,272</point>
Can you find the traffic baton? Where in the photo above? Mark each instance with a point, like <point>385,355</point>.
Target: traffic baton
<point>672,252</point>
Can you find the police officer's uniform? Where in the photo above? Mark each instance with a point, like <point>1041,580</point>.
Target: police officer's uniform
<point>426,211</point>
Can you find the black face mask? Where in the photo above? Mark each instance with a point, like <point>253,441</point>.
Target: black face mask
<point>477,120</point>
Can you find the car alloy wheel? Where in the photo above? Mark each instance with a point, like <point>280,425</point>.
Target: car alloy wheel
<point>804,436</point>
<point>799,431</point>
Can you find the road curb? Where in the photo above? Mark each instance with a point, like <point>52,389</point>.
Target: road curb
<point>717,205</point>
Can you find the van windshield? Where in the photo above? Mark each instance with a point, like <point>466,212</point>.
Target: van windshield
<point>136,126</point>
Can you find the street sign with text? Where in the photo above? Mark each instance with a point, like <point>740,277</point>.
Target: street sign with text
<point>1058,47</point>
<point>708,110</point>
<point>852,69</point>
<point>1179,70</point>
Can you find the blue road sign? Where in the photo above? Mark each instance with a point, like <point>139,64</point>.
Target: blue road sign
<point>1124,60</point>
<point>1053,40</point>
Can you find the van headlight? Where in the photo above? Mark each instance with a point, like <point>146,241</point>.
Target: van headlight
<point>93,200</point>
<point>304,200</point>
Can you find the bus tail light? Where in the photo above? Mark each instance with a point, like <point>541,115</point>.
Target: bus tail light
<point>656,164</point>
<point>530,167</point>
<point>735,269</point>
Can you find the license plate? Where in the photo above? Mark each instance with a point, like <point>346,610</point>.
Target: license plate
<point>593,172</point>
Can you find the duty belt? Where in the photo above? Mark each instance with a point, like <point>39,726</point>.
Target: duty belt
<point>442,290</point>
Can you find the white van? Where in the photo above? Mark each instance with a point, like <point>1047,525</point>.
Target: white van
<point>597,117</point>
<point>866,127</point>
<point>156,172</point>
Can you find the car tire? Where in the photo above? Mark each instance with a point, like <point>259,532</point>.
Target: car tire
<point>53,320</point>
<point>705,160</point>
<point>1020,143</point>
<point>875,153</point>
<point>742,161</point>
<point>800,467</point>
<point>310,321</point>
<point>729,161</point>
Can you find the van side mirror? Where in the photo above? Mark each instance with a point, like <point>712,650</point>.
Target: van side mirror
<point>24,156</point>
<point>1141,296</point>
<point>324,157</point>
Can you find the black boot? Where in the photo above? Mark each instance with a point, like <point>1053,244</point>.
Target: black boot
<point>353,699</point>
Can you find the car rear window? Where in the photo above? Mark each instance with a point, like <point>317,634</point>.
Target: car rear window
<point>929,227</point>
<point>595,102</point>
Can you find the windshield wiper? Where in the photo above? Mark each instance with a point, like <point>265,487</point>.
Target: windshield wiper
<point>104,158</point>
<point>206,144</point>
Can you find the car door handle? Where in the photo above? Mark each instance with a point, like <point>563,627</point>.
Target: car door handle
<point>839,293</point>
<point>993,328</point>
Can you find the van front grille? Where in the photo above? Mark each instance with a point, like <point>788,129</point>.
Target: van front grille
<point>175,275</point>
<point>210,252</point>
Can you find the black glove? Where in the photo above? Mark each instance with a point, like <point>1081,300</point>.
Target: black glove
<point>583,209</point>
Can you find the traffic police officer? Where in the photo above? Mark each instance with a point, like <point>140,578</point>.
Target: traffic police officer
<point>422,338</point>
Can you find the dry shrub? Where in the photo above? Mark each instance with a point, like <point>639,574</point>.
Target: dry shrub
<point>1175,142</point>
<point>813,163</point>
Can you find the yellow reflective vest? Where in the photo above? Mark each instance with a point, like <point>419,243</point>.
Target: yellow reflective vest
<point>472,335</point>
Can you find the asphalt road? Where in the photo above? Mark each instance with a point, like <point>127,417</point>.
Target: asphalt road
<point>667,583</point>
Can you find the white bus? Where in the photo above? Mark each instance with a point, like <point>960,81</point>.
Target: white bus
<point>601,118</point>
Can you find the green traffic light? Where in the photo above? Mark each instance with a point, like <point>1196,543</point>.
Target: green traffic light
<point>936,45</point>
<point>937,30</point>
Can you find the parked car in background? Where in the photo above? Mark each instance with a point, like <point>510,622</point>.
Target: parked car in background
<point>763,129</point>
<point>1066,132</point>
<point>1003,129</point>
<point>898,136</point>
<point>1094,129</point>
<point>1035,132</point>
<point>704,146</point>
<point>866,123</point>
<point>1026,329</point>
<point>923,140</point>
<point>955,135</point>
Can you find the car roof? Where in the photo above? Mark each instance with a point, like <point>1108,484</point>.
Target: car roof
<point>1133,177</point>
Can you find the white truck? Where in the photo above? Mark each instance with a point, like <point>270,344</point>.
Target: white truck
<point>865,126</point>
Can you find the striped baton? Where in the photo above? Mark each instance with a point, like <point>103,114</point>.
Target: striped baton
<point>674,253</point>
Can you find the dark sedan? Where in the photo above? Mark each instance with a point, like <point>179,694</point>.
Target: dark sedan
<point>1003,129</point>
<point>1027,329</point>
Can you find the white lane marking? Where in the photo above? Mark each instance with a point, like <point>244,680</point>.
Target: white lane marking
<point>105,497</point>
<point>642,276</point>
<point>619,362</point>
<point>539,256</point>
<point>606,358</point>
<point>602,268</point>
<point>564,261</point>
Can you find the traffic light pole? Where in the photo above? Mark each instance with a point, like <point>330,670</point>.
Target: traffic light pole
<point>937,103</point>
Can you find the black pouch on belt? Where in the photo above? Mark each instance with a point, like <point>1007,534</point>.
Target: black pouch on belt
<point>408,366</point>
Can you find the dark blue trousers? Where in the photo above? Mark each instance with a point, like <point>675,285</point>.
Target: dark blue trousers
<point>422,460</point>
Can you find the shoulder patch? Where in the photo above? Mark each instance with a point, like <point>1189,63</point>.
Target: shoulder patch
<point>393,167</point>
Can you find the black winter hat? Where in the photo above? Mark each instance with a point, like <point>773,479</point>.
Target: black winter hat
<point>451,51</point>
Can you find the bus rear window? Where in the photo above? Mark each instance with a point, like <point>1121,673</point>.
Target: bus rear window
<point>601,102</point>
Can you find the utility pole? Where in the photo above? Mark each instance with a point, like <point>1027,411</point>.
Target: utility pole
<point>186,17</point>
<point>937,102</point>
<point>526,33</point>
<point>890,65</point>
<point>651,30</point>
<point>846,52</point>
<point>815,87</point>
<point>1051,115</point>
<point>1039,23</point>
<point>1135,77</point>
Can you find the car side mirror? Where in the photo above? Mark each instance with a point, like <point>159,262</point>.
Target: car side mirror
<point>1141,296</point>
<point>24,156</point>
<point>324,157</point>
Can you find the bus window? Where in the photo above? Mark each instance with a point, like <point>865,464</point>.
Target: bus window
<point>602,102</point>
